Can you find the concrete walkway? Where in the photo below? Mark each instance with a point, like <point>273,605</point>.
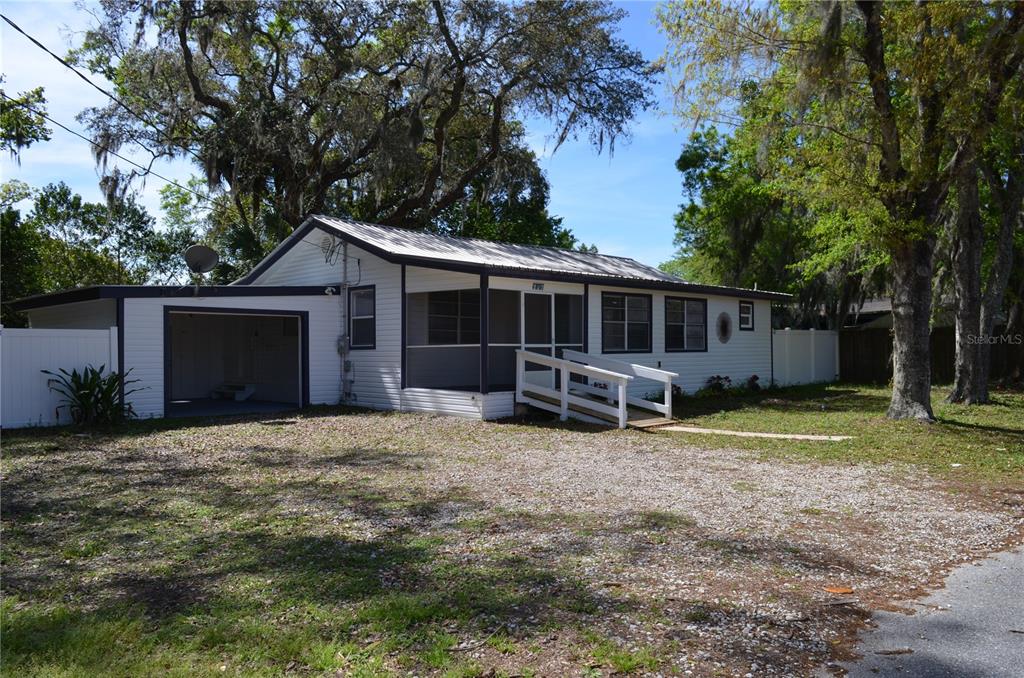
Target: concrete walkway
<point>972,628</point>
<point>749,434</point>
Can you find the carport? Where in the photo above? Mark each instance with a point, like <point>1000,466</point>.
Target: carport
<point>234,361</point>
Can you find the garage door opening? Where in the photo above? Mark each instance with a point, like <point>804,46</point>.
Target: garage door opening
<point>233,363</point>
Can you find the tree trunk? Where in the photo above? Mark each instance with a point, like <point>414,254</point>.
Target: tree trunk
<point>1015,352</point>
<point>1012,207</point>
<point>968,236</point>
<point>912,265</point>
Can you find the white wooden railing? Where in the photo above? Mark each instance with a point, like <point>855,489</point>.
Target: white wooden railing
<point>564,396</point>
<point>615,375</point>
<point>663,377</point>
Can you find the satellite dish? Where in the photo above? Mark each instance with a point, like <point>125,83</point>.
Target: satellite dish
<point>201,259</point>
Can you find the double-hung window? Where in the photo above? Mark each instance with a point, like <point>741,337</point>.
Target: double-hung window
<point>686,324</point>
<point>747,316</point>
<point>362,305</point>
<point>625,323</point>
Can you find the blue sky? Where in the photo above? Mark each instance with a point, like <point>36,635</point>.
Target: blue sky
<point>623,203</point>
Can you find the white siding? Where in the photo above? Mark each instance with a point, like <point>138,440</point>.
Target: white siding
<point>144,342</point>
<point>306,264</point>
<point>440,401</point>
<point>25,396</point>
<point>377,373</point>
<point>746,353</point>
<point>527,285</point>
<point>419,279</point>
<point>498,405</point>
<point>98,314</point>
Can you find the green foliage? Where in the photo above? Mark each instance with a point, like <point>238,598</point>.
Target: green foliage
<point>884,174</point>
<point>66,242</point>
<point>394,109</point>
<point>507,203</point>
<point>20,242</point>
<point>92,397</point>
<point>21,127</point>
<point>983,442</point>
<point>742,228</point>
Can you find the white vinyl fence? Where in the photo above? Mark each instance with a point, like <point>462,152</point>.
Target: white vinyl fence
<point>25,398</point>
<point>805,356</point>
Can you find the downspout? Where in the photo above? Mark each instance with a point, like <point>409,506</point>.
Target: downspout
<point>343,343</point>
<point>771,343</point>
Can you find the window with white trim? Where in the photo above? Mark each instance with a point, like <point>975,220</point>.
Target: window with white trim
<point>747,316</point>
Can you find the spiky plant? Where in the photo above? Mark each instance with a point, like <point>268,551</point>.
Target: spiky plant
<point>92,397</point>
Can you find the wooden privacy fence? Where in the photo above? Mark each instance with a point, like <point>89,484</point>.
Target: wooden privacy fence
<point>25,397</point>
<point>865,355</point>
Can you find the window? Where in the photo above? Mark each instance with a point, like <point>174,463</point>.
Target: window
<point>625,323</point>
<point>453,317</point>
<point>686,324</point>
<point>362,309</point>
<point>747,316</point>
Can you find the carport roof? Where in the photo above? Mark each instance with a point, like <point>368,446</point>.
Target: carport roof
<point>94,292</point>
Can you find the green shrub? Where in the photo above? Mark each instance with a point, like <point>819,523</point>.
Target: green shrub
<point>92,397</point>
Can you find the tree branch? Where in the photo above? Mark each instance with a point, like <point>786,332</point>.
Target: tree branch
<point>187,8</point>
<point>874,57</point>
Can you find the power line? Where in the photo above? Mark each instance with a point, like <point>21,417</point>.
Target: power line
<point>105,149</point>
<point>84,77</point>
<point>101,147</point>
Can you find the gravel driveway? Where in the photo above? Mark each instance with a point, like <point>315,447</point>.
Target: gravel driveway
<point>713,562</point>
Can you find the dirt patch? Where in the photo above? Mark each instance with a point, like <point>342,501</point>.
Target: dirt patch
<point>561,550</point>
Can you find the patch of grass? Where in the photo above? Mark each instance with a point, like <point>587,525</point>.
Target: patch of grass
<point>662,520</point>
<point>503,643</point>
<point>623,660</point>
<point>974,442</point>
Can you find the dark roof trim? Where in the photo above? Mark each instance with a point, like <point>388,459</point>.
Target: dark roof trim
<point>169,291</point>
<point>502,271</point>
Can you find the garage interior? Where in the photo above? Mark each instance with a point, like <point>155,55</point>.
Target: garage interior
<point>222,363</point>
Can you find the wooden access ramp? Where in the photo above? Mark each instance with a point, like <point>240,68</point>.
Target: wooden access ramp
<point>599,392</point>
<point>635,417</point>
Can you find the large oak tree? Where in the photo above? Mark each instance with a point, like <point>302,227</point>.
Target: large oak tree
<point>883,105</point>
<point>398,107</point>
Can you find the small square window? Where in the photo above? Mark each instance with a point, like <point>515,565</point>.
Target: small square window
<point>747,315</point>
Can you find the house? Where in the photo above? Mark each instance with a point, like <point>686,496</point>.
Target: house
<point>389,318</point>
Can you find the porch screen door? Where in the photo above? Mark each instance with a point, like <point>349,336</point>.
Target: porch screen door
<point>538,335</point>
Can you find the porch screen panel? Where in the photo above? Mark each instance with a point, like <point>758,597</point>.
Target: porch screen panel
<point>503,320</point>
<point>568,319</point>
<point>443,340</point>
<point>444,367</point>
<point>503,337</point>
<point>537,308</point>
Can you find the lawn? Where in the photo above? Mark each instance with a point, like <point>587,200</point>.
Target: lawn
<point>974,443</point>
<point>338,542</point>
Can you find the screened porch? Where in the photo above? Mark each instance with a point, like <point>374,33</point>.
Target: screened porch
<point>448,332</point>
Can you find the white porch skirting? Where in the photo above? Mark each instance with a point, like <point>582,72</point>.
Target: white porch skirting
<point>459,403</point>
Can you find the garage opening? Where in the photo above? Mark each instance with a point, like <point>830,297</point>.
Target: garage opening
<point>232,363</point>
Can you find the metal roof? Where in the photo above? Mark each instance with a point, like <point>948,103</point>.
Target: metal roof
<point>410,243</point>
<point>423,248</point>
